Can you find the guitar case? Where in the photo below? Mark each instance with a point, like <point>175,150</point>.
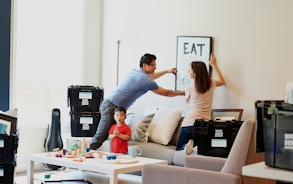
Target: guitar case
<point>54,139</point>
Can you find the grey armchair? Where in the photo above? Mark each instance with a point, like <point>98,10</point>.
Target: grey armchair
<point>204,169</point>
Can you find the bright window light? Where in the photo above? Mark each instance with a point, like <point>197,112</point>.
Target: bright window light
<point>48,57</point>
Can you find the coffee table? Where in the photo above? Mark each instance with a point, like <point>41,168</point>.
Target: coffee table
<point>110,168</point>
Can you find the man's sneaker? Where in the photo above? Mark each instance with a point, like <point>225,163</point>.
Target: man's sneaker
<point>189,147</point>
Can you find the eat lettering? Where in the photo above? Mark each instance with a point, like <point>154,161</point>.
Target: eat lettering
<point>193,48</point>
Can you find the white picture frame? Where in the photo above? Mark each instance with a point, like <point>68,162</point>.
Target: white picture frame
<point>191,48</point>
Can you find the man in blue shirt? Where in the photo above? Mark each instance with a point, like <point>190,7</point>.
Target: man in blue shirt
<point>136,84</point>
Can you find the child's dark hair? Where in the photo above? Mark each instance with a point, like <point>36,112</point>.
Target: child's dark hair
<point>120,109</point>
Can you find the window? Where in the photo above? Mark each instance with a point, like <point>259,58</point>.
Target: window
<point>48,57</point>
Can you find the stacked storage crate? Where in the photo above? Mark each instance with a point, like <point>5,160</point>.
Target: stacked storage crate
<point>215,138</point>
<point>8,148</point>
<point>275,132</point>
<point>84,102</point>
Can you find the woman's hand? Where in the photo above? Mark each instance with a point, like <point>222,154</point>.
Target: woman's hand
<point>213,61</point>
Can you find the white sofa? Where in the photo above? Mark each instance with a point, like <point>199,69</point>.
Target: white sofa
<point>157,131</point>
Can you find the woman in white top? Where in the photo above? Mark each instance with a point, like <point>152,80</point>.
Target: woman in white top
<point>199,97</point>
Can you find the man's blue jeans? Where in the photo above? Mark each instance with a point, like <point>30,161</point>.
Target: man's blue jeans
<point>107,119</point>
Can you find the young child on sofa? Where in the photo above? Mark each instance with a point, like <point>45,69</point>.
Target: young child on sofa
<point>120,132</point>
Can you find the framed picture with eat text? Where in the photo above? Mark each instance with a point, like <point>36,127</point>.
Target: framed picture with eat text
<point>191,48</point>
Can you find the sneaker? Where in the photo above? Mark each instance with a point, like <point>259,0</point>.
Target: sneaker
<point>189,147</point>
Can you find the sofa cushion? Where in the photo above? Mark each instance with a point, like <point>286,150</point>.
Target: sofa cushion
<point>163,125</point>
<point>157,151</point>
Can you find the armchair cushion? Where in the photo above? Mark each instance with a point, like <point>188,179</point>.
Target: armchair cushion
<point>204,162</point>
<point>155,173</point>
<point>211,177</point>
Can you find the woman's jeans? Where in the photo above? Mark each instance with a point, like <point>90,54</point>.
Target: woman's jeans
<point>185,135</point>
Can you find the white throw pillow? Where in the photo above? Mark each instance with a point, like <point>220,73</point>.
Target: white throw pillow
<point>163,125</point>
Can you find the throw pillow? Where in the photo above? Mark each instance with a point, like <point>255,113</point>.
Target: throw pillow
<point>138,130</point>
<point>163,125</point>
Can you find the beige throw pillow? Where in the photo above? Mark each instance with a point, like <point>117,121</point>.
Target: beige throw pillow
<point>138,130</point>
<point>163,125</point>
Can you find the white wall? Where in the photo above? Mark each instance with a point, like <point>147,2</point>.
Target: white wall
<point>93,42</point>
<point>31,138</point>
<point>252,41</point>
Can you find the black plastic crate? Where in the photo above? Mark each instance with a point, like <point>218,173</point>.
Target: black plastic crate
<point>261,112</point>
<point>7,172</point>
<point>8,147</point>
<point>215,138</point>
<point>85,98</point>
<point>276,118</point>
<point>84,124</point>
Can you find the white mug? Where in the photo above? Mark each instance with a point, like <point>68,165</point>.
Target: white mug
<point>134,151</point>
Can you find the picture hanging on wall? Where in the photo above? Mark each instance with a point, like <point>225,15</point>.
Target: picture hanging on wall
<point>191,48</point>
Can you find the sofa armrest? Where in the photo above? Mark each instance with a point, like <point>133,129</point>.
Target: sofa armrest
<point>204,162</point>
